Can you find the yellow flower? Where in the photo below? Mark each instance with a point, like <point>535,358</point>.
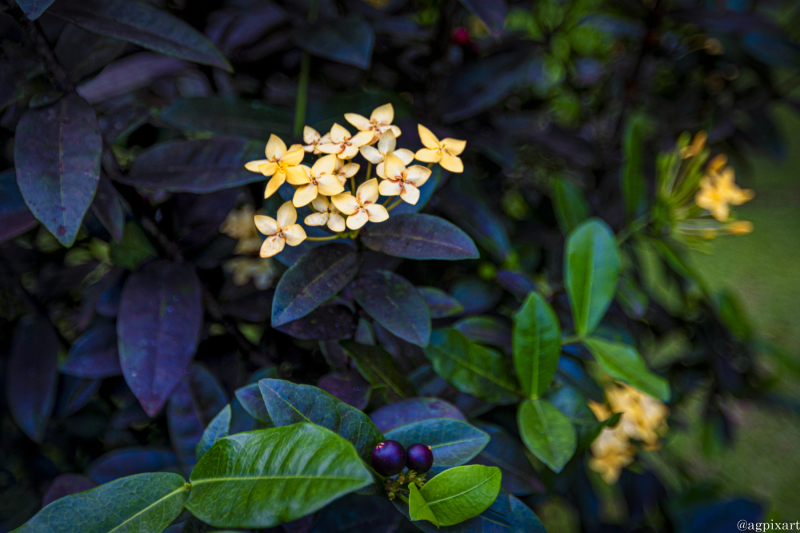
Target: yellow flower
<point>281,231</point>
<point>344,145</point>
<point>696,146</point>
<point>312,140</point>
<point>281,164</point>
<point>378,122</point>
<point>244,269</point>
<point>740,227</point>
<point>610,454</point>
<point>361,207</point>
<point>326,213</point>
<point>386,145</point>
<point>444,152</point>
<point>239,225</point>
<point>345,171</point>
<point>401,180</point>
<point>319,180</point>
<point>718,191</point>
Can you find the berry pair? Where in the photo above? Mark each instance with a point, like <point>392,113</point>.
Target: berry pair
<point>389,458</point>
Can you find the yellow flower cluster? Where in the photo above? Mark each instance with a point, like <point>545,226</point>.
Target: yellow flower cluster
<point>240,225</point>
<point>643,419</point>
<point>718,191</point>
<point>323,185</point>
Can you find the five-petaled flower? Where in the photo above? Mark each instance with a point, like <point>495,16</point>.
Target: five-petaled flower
<point>444,152</point>
<point>239,225</point>
<point>312,140</point>
<point>718,191</point>
<point>379,122</point>
<point>326,213</point>
<point>320,179</point>
<point>344,145</point>
<point>281,231</point>
<point>361,207</point>
<point>345,171</point>
<point>401,180</point>
<point>281,164</point>
<point>386,145</point>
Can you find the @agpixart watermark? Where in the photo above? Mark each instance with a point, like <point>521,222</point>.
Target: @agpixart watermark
<point>772,525</point>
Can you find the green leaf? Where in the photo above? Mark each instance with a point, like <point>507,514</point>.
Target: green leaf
<point>289,403</point>
<point>547,433</point>
<point>453,442</point>
<point>377,367</point>
<point>134,249</point>
<point>623,363</point>
<point>633,187</point>
<point>219,427</point>
<point>591,269</point>
<point>455,495</point>
<point>472,368</point>
<point>569,204</point>
<point>144,502</point>
<point>263,478</point>
<point>224,116</point>
<point>537,345</point>
<point>419,236</point>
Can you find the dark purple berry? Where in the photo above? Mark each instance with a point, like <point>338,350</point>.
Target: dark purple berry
<point>420,458</point>
<point>389,458</point>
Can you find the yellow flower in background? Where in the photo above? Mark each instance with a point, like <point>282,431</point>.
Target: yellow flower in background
<point>312,140</point>
<point>281,164</point>
<point>444,152</point>
<point>281,231</point>
<point>244,269</point>
<point>344,145</point>
<point>718,191</point>
<point>239,225</point>
<point>326,213</point>
<point>610,454</point>
<point>696,146</point>
<point>319,180</point>
<point>386,146</point>
<point>345,171</point>
<point>379,122</point>
<point>402,181</point>
<point>361,207</point>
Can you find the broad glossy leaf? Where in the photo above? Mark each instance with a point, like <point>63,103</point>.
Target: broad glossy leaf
<point>358,514</point>
<point>163,298</point>
<point>591,269</point>
<point>219,427</point>
<point>419,236</point>
<point>143,24</point>
<point>479,221</point>
<point>57,155</point>
<point>65,485</point>
<point>191,408</point>
<point>130,461</point>
<point>453,442</point>
<point>15,217</point>
<point>253,402</point>
<point>109,207</point>
<point>472,368</point>
<point>243,480</point>
<point>33,9</point>
<point>31,375</point>
<point>289,403</point>
<point>622,362</point>
<point>505,452</point>
<point>413,410</point>
<point>455,495</point>
<point>487,330</point>
<point>224,116</point>
<point>349,387</point>
<point>569,204</point>
<point>348,40</point>
<point>395,304</point>
<point>312,280</point>
<point>94,354</point>
<point>145,502</point>
<point>440,303</point>
<point>517,283</point>
<point>476,295</point>
<point>377,367</point>
<point>491,12</point>
<point>74,394</point>
<point>196,166</point>
<point>537,345</point>
<point>81,52</point>
<point>546,432</point>
<point>329,322</point>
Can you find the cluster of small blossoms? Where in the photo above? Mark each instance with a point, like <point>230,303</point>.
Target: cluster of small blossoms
<point>643,418</point>
<point>240,226</point>
<point>328,186</point>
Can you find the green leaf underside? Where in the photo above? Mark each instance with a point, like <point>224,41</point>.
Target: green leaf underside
<point>377,367</point>
<point>547,433</point>
<point>263,478</point>
<point>144,502</point>
<point>455,495</point>
<point>622,362</point>
<point>472,368</point>
<point>537,345</point>
<point>453,442</point>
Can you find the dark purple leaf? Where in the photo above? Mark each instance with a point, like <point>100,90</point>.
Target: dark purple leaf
<point>130,461</point>
<point>143,24</point>
<point>31,375</point>
<point>195,402</point>
<point>301,525</point>
<point>439,302</point>
<point>94,354</point>
<point>486,330</point>
<point>506,452</point>
<point>201,216</point>
<point>331,322</point>
<point>15,217</point>
<point>109,208</point>
<point>74,393</point>
<point>416,236</point>
<point>253,402</point>
<point>476,295</point>
<point>377,367</point>
<point>196,166</point>
<point>65,485</point>
<point>356,514</point>
<point>239,25</point>
<point>81,52</point>
<point>364,333</point>
<point>57,155</point>
<point>349,387</point>
<point>395,304</point>
<point>254,307</point>
<point>312,280</point>
<point>399,414</point>
<point>477,219</point>
<point>517,283</point>
<point>491,12</point>
<point>223,116</point>
<point>158,327</point>
<point>33,9</point>
<point>347,40</point>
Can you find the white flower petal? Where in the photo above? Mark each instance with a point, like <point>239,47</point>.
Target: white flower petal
<point>275,147</point>
<point>362,137</point>
<point>274,184</point>
<point>349,151</point>
<point>428,156</point>
<point>451,163</point>
<point>370,153</point>
<point>339,134</point>
<point>297,175</point>
<point>294,156</point>
<point>336,222</point>
<point>390,188</point>
<point>429,140</point>
<point>304,195</point>
<point>345,202</point>
<point>329,185</point>
<point>417,175</point>
<point>406,156</point>
<point>358,219</point>
<point>349,170</point>
<point>359,121</point>
<point>410,194</point>
<point>387,143</point>
<point>272,245</point>
<point>287,215</point>
<point>310,135</point>
<point>320,203</point>
<point>324,165</point>
<point>317,219</point>
<point>383,114</point>
<point>330,148</point>
<point>376,212</point>
<point>266,225</point>
<point>295,234</point>
<point>393,167</point>
<point>367,192</point>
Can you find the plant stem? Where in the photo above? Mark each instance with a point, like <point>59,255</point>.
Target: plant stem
<point>305,72</point>
<point>329,238</point>
<point>395,204</point>
<point>369,171</point>
<point>638,224</point>
<point>402,497</point>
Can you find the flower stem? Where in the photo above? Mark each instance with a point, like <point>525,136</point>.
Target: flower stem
<point>369,171</point>
<point>395,204</point>
<point>402,497</point>
<point>329,238</point>
<point>305,72</point>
